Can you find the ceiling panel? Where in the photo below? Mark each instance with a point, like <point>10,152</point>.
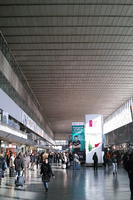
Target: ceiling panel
<point>76,55</point>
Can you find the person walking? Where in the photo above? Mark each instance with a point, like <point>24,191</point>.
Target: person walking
<point>95,159</point>
<point>19,164</point>
<point>104,161</point>
<point>108,158</point>
<point>2,166</point>
<point>71,158</point>
<point>64,161</point>
<point>38,159</point>
<point>46,173</point>
<point>114,163</point>
<point>26,163</point>
<point>128,165</point>
<point>33,161</point>
<point>11,165</point>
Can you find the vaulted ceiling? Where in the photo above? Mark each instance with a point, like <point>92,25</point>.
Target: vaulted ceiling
<point>77,55</point>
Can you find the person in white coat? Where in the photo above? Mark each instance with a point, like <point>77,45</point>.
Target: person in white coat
<point>26,163</point>
<point>11,165</point>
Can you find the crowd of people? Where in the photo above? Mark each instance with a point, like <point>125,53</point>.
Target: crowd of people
<point>23,162</point>
<point>65,160</point>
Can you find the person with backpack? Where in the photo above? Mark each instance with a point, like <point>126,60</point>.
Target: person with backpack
<point>46,172</point>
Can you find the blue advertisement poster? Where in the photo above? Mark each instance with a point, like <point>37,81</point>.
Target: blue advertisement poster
<point>78,137</point>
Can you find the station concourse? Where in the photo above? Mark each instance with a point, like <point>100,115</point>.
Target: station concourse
<point>66,99</point>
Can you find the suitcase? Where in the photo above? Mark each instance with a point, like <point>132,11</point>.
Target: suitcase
<point>12,172</point>
<point>19,181</point>
<point>77,166</point>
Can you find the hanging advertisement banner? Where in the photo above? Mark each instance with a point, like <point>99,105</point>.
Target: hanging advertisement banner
<point>78,136</point>
<point>93,137</point>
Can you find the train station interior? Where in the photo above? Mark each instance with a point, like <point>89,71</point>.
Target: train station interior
<point>66,99</point>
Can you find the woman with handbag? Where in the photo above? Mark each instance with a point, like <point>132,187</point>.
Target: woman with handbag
<point>46,173</point>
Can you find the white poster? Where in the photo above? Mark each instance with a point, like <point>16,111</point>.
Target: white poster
<point>93,137</point>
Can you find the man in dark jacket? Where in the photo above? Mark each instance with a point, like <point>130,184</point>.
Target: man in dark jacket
<point>46,173</point>
<point>128,164</point>
<point>2,166</point>
<point>19,164</point>
<point>95,158</point>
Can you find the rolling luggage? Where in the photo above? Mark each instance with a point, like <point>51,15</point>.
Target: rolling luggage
<point>20,181</point>
<point>77,166</point>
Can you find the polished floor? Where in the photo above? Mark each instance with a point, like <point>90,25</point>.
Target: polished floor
<point>81,184</point>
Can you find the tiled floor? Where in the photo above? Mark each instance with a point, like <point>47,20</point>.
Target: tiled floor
<point>81,184</point>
